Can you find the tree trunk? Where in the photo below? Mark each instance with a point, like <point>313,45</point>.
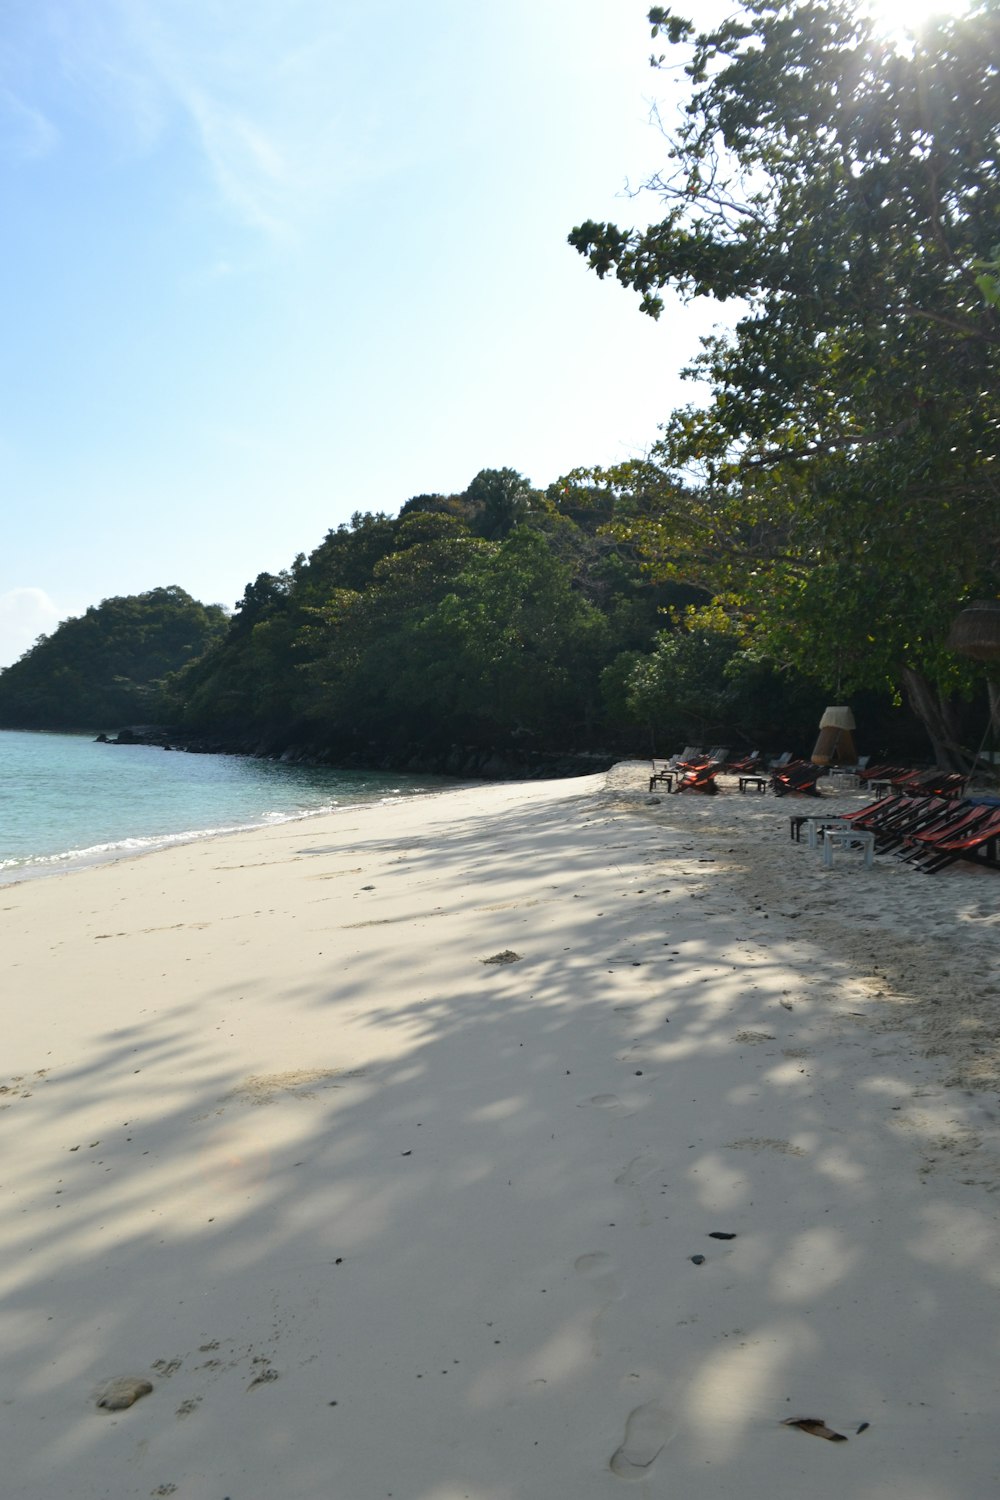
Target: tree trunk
<point>938,718</point>
<point>993,693</point>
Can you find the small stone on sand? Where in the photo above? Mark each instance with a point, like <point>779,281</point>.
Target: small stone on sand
<point>122,1392</point>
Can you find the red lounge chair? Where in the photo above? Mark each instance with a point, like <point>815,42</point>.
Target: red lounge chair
<point>905,815</point>
<point>799,776</point>
<point>930,849</point>
<point>747,765</point>
<point>664,771</point>
<point>700,778</point>
<point>884,772</point>
<point>934,782</point>
<point>887,819</point>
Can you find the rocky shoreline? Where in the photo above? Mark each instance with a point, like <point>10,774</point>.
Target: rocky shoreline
<point>464,762</point>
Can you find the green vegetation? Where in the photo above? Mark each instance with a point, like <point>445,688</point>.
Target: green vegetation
<point>839,496</point>
<point>482,620</point>
<point>105,667</point>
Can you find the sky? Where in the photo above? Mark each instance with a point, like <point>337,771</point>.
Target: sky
<point>270,263</point>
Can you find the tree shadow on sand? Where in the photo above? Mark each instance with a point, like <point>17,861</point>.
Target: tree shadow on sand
<point>467,1266</point>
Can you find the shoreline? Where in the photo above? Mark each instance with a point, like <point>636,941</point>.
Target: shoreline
<point>384,1148</point>
<point>74,861</point>
<point>70,803</point>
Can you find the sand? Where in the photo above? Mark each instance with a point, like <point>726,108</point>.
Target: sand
<point>516,1142</point>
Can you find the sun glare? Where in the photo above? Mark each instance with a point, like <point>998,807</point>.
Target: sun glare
<point>902,20</point>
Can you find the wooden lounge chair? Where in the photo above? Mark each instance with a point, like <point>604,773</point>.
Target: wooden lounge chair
<point>700,778</point>
<point>883,818</point>
<point>799,777</point>
<point>931,849</point>
<point>883,772</point>
<point>935,783</point>
<point>664,771</point>
<point>907,815</point>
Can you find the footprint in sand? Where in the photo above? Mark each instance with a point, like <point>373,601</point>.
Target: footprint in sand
<point>598,1268</point>
<point>597,1263</point>
<point>600,1101</point>
<point>631,1175</point>
<point>647,1432</point>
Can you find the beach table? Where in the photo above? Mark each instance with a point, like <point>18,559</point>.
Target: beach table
<point>848,838</point>
<point>817,825</point>
<point>759,783</point>
<point>814,824</point>
<point>844,781</point>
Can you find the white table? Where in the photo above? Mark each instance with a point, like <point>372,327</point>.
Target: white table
<point>848,838</point>
<point>844,781</point>
<point>818,821</point>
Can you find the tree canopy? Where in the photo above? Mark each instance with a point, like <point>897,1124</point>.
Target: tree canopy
<point>105,667</point>
<point>839,493</point>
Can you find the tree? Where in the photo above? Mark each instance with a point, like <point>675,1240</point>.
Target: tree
<point>839,493</point>
<point>500,500</point>
<point>105,667</point>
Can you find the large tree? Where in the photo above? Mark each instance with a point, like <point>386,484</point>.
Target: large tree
<point>839,493</point>
<point>104,668</point>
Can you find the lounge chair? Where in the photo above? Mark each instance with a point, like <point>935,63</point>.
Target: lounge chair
<point>880,818</point>
<point>797,776</point>
<point>935,783</point>
<point>883,772</point>
<point>700,778</point>
<point>930,849</point>
<point>664,771</point>
<point>907,815</point>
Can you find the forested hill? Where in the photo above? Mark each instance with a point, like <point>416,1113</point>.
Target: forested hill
<point>105,667</point>
<point>480,620</point>
<point>501,626</point>
<point>500,619</point>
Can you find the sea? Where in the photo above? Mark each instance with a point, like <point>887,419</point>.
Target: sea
<point>67,802</point>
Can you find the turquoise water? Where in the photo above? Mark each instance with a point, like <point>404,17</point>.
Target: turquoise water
<point>66,801</point>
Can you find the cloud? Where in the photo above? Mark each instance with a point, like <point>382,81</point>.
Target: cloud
<point>26,134</point>
<point>25,614</point>
<point>254,90</point>
<point>283,104</point>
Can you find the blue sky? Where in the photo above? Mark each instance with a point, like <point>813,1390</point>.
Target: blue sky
<point>269,263</point>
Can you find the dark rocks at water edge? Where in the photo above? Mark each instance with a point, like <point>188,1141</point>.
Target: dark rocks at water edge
<point>464,762</point>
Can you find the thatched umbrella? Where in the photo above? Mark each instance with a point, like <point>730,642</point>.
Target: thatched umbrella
<point>836,738</point>
<point>976,633</point>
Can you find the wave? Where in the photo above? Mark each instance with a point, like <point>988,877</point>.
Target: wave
<point>93,854</point>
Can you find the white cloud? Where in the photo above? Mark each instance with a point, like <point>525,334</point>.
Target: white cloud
<point>26,134</point>
<point>283,103</point>
<point>254,88</point>
<point>25,614</point>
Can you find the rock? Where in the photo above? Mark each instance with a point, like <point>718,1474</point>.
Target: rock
<point>816,1427</point>
<point>122,1392</point>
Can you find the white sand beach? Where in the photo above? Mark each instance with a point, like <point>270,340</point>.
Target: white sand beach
<point>710,1145</point>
